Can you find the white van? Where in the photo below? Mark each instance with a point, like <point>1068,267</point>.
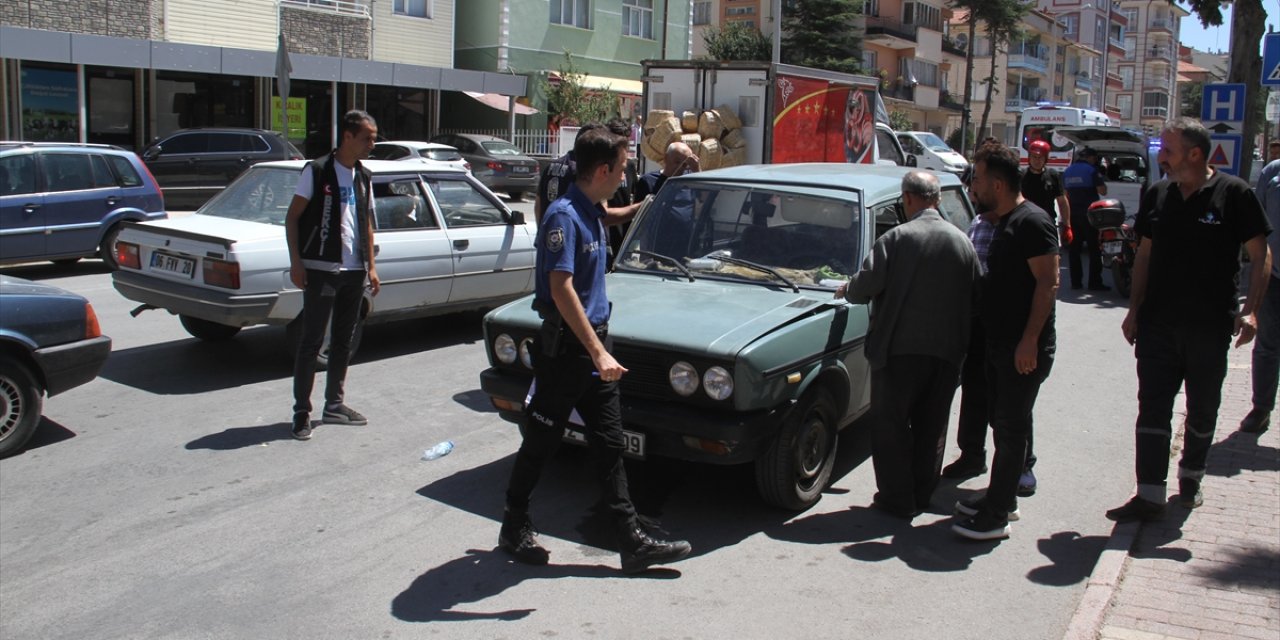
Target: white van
<point>1040,123</point>
<point>931,152</point>
<point>1128,158</point>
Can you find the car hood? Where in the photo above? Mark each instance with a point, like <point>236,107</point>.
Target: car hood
<point>706,316</point>
<point>10,285</point>
<point>1105,139</point>
<point>951,157</point>
<point>217,227</point>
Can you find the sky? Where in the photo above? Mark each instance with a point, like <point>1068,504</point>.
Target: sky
<point>1215,39</point>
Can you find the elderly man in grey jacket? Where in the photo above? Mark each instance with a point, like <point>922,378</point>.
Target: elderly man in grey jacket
<point>921,279</point>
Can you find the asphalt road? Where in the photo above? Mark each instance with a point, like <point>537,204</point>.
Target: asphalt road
<point>166,499</point>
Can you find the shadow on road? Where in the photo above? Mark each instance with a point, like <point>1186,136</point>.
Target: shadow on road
<point>480,574</point>
<point>258,354</point>
<point>47,432</point>
<point>1071,556</point>
<point>44,270</point>
<point>241,437</point>
<point>1241,452</point>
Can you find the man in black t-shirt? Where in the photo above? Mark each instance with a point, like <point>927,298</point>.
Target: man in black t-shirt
<point>1042,185</point>
<point>1017,310</point>
<point>1183,310</point>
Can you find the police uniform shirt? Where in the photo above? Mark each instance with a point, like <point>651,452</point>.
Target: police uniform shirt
<point>1195,253</point>
<point>1081,180</point>
<point>571,239</point>
<point>1009,285</point>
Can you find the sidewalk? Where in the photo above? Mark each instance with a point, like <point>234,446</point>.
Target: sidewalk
<point>1207,574</point>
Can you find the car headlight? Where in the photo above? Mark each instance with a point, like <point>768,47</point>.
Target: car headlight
<point>504,348</point>
<point>718,383</point>
<point>684,378</point>
<point>526,358</point>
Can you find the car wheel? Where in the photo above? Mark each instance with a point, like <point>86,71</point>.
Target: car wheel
<point>797,465</point>
<point>516,196</point>
<point>21,397</point>
<point>293,338</point>
<point>108,249</point>
<point>206,330</point>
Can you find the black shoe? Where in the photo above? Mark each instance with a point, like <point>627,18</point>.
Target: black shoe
<point>983,526</point>
<point>301,425</point>
<point>517,538</point>
<point>1137,509</point>
<point>342,414</point>
<point>966,466</point>
<point>1258,421</point>
<point>1189,495</point>
<point>1099,287</point>
<point>1026,484</point>
<point>640,551</point>
<point>972,507</point>
<point>898,512</point>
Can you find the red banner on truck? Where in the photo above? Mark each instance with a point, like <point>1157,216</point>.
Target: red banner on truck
<point>817,120</point>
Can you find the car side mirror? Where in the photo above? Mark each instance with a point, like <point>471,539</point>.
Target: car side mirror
<point>515,217</point>
<point>152,153</point>
<point>911,160</point>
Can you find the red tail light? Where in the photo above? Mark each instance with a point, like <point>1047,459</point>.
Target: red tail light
<point>496,166</point>
<point>127,255</point>
<point>91,328</point>
<point>1107,234</point>
<point>152,179</point>
<point>222,273</point>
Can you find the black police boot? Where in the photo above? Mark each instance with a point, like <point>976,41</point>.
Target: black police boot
<point>640,550</point>
<point>517,538</point>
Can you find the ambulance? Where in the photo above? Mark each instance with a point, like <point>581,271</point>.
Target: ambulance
<point>1039,122</point>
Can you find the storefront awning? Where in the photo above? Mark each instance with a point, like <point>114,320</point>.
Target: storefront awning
<point>500,102</point>
<point>605,83</point>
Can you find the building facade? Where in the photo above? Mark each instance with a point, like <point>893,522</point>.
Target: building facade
<point>126,72</point>
<point>1148,69</point>
<point>902,44</point>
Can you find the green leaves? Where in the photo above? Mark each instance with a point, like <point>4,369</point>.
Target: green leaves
<point>737,41</point>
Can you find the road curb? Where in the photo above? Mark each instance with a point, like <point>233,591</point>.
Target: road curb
<point>1102,584</point>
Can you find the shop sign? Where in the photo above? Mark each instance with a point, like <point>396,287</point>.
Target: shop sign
<point>297,117</point>
<point>50,106</point>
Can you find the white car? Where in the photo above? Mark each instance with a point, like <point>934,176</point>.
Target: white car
<point>932,152</point>
<point>431,153</point>
<point>444,243</point>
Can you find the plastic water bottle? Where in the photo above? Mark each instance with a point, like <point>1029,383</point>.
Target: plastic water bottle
<point>439,451</point>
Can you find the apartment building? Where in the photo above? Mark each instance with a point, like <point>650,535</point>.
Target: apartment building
<point>902,44</point>
<point>128,71</point>
<point>1148,68</point>
<point>607,39</point>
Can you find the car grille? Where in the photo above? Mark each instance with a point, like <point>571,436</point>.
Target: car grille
<point>647,374</point>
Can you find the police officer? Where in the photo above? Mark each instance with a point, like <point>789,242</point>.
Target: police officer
<point>571,363</point>
<point>1085,185</point>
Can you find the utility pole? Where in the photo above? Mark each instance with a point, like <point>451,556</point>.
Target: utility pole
<point>775,7</point>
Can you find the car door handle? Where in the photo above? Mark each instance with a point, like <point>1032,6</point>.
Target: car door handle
<point>244,160</point>
<point>461,244</point>
<point>30,207</point>
<point>113,201</point>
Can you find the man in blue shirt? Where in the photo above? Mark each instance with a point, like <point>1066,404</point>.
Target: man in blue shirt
<point>572,366</point>
<point>1085,185</point>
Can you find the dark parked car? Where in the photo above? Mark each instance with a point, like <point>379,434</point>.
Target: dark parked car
<point>496,163</point>
<point>193,165</point>
<point>49,342</point>
<point>65,201</point>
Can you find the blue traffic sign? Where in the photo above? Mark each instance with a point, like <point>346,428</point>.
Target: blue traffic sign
<point>1222,103</point>
<point>1271,60</point>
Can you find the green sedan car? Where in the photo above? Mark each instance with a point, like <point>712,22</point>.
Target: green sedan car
<point>724,312</point>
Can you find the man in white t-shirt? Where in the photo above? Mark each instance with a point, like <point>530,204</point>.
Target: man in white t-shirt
<point>330,257</point>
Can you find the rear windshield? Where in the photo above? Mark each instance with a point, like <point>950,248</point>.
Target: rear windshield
<point>260,195</point>
<point>500,148</point>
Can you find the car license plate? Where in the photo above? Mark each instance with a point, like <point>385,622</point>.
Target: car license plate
<point>633,444</point>
<point>519,169</point>
<point>1112,248</point>
<point>184,267</point>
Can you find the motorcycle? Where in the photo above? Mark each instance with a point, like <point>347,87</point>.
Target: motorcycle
<point>1118,243</point>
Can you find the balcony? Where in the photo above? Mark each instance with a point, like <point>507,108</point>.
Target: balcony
<point>1026,99</point>
<point>900,91</point>
<point>1155,112</point>
<point>1084,81</point>
<point>1114,81</point>
<point>1117,46</point>
<point>948,101</point>
<point>890,33</point>
<point>1160,54</point>
<point>357,8</point>
<point>1029,62</point>
<point>1156,80</point>
<point>1161,24</point>
<point>949,46</point>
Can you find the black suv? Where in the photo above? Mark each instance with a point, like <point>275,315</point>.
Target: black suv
<point>193,165</point>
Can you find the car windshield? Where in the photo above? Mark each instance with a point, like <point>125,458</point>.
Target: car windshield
<point>933,142</point>
<point>440,154</point>
<point>501,148</point>
<point>262,194</point>
<point>758,234</point>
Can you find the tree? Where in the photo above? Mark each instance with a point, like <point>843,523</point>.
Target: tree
<point>1002,19</point>
<point>1192,96</point>
<point>572,101</point>
<point>821,33</point>
<point>900,120</point>
<point>976,10</point>
<point>1248,19</point>
<point>737,41</point>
